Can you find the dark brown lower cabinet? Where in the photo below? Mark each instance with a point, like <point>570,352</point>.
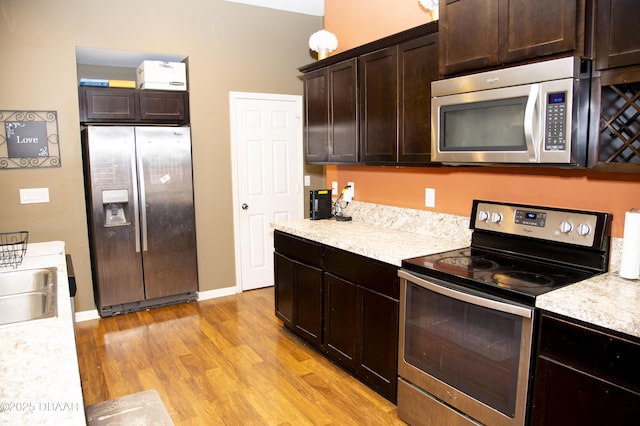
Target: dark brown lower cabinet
<point>298,289</point>
<point>361,318</point>
<point>378,357</point>
<point>585,376</point>
<point>343,304</point>
<point>340,317</point>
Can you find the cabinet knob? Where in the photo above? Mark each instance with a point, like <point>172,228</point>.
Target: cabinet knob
<point>245,206</point>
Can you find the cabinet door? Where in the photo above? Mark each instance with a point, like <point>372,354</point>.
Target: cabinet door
<point>617,35</point>
<point>418,67</point>
<point>164,106</point>
<point>584,375</point>
<point>565,396</point>
<point>378,343</point>
<point>331,116</point>
<point>284,289</point>
<point>308,303</point>
<point>378,80</point>
<point>530,29</point>
<point>340,316</point>
<point>468,32</point>
<point>343,141</point>
<point>102,104</point>
<point>316,104</point>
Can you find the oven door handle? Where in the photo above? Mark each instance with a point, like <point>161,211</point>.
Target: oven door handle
<point>468,298</point>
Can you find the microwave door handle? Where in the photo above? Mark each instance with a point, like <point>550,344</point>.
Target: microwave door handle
<point>531,122</point>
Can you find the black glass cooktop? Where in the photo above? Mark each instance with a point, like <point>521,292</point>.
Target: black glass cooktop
<point>502,274</point>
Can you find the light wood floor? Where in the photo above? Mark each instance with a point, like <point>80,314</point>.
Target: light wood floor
<point>224,361</point>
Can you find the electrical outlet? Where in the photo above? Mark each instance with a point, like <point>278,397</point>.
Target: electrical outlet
<point>334,188</point>
<point>429,197</point>
<point>307,180</point>
<point>349,193</point>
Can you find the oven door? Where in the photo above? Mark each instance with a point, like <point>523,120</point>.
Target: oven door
<point>462,355</point>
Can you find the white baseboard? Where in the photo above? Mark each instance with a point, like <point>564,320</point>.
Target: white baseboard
<point>87,315</point>
<point>202,295</point>
<point>220,292</point>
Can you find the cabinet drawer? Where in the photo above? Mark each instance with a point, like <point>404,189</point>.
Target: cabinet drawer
<point>595,352</point>
<point>300,249</point>
<point>368,273</point>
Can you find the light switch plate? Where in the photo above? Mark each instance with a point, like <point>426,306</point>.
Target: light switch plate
<point>307,180</point>
<point>34,195</point>
<point>429,197</point>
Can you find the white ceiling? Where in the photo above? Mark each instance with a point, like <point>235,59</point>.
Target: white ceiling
<point>308,7</point>
<point>120,58</point>
<point>128,59</point>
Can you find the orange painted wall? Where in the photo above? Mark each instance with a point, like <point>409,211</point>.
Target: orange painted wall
<point>356,22</point>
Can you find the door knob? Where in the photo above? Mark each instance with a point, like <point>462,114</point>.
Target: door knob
<point>245,206</point>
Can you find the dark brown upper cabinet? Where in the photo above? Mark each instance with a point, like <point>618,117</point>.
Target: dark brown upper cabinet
<point>395,102</point>
<point>418,67</point>
<point>617,35</point>
<point>372,104</point>
<point>118,105</point>
<point>331,113</point>
<point>378,79</point>
<point>482,34</point>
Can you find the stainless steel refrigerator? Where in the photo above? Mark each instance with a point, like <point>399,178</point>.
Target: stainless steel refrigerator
<point>139,191</point>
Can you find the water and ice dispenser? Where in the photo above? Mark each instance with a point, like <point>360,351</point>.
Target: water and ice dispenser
<point>114,202</point>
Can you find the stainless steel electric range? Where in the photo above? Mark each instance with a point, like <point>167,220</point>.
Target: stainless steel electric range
<point>467,315</point>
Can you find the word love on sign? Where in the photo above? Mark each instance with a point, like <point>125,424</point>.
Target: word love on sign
<point>26,139</point>
<point>30,139</point>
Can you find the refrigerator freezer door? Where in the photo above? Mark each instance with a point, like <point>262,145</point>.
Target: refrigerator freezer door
<point>167,217</point>
<point>110,160</point>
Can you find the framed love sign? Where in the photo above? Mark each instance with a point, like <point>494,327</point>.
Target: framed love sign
<point>29,139</point>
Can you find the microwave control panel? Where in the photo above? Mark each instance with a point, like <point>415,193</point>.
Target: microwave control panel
<point>556,122</point>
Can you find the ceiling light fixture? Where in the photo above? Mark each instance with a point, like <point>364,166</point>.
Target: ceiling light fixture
<point>323,42</point>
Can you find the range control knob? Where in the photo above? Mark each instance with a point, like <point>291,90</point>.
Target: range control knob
<point>566,227</point>
<point>483,216</point>
<point>583,229</point>
<point>496,217</point>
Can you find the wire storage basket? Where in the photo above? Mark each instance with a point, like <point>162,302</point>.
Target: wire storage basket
<point>13,246</point>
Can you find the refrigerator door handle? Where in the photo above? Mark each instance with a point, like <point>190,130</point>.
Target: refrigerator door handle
<point>136,204</point>
<point>143,199</point>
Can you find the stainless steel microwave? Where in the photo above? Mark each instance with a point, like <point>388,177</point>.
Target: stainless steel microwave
<point>534,114</point>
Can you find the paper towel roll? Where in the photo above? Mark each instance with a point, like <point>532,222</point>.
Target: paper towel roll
<point>630,262</point>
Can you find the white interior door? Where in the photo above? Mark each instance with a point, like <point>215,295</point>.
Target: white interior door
<point>266,146</point>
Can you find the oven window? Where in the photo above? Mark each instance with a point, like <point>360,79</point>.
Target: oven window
<point>484,126</point>
<point>472,348</point>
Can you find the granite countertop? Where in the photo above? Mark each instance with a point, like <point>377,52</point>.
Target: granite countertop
<point>376,242</point>
<point>39,375</point>
<point>606,300</point>
<point>390,234</point>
